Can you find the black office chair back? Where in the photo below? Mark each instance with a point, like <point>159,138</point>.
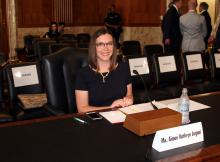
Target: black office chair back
<point>131,47</point>
<point>68,37</point>
<point>164,73</point>
<point>137,82</point>
<point>214,65</point>
<point>197,73</point>
<point>151,49</point>
<point>26,89</point>
<point>59,73</point>
<point>83,40</point>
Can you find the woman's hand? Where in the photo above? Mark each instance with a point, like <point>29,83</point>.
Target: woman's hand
<point>126,101</point>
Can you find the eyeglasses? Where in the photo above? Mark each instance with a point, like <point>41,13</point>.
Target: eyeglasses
<point>102,44</point>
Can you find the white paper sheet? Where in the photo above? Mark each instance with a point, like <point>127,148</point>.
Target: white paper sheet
<point>167,64</point>
<point>25,75</point>
<point>173,103</point>
<point>193,106</point>
<point>114,116</point>
<point>194,61</point>
<point>217,60</point>
<point>137,108</point>
<point>139,64</point>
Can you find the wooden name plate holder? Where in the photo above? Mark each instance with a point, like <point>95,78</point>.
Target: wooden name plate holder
<point>149,122</point>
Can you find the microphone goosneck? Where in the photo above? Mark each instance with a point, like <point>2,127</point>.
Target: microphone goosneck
<point>145,88</point>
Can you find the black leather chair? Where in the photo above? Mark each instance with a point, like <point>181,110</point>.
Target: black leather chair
<point>195,77</point>
<point>4,115</point>
<point>28,88</point>
<point>214,58</point>
<point>143,84</point>
<point>58,46</point>
<point>59,73</point>
<point>131,47</point>
<point>167,76</point>
<point>214,65</point>
<point>42,47</point>
<point>68,37</point>
<point>151,49</point>
<point>83,40</point>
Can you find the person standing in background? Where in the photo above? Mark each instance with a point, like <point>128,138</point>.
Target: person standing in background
<point>113,23</point>
<point>170,27</point>
<point>203,9</point>
<point>193,29</point>
<point>215,28</point>
<point>215,34</point>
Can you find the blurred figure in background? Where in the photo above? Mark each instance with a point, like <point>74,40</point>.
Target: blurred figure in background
<point>113,23</point>
<point>203,9</point>
<point>60,28</point>
<point>193,29</point>
<point>215,34</point>
<point>170,27</point>
<point>53,31</point>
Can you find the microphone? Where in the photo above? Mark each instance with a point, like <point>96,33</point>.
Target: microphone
<point>145,88</point>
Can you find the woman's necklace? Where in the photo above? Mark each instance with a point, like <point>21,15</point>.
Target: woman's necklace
<point>104,76</point>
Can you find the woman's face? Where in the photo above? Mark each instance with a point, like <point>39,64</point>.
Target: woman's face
<point>104,47</point>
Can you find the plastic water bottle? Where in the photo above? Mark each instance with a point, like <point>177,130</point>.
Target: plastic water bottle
<point>183,106</point>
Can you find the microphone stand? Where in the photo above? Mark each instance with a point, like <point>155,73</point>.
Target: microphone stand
<point>148,97</point>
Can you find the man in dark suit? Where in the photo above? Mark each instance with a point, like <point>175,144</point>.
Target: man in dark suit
<point>203,9</point>
<point>171,30</point>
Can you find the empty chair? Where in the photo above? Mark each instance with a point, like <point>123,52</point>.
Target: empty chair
<point>59,71</point>
<point>83,40</point>
<point>4,115</point>
<point>68,37</point>
<point>58,46</point>
<point>214,58</point>
<point>29,45</point>
<point>131,47</point>
<point>167,76</point>
<point>143,82</point>
<point>195,74</point>
<point>43,48</point>
<point>152,49</point>
<point>23,79</point>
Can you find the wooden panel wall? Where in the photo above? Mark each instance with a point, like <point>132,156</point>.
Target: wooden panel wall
<point>35,13</point>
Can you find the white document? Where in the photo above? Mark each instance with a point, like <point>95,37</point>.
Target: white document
<point>25,75</point>
<point>137,108</point>
<point>194,61</point>
<point>217,60</point>
<point>171,138</point>
<point>139,64</point>
<point>193,106</point>
<point>114,116</point>
<point>167,64</point>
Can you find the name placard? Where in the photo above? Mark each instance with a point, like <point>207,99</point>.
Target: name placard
<point>171,138</point>
<point>25,75</point>
<point>194,61</point>
<point>217,60</point>
<point>139,64</point>
<point>167,64</point>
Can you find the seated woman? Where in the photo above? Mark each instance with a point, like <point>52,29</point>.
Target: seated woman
<point>105,83</point>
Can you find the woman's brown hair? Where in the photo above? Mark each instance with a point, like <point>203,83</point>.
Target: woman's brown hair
<point>92,50</point>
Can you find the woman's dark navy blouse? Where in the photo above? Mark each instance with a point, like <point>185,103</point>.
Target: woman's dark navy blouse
<point>104,93</point>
